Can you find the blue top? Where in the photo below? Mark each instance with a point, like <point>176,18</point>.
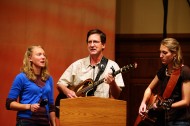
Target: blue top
<point>30,93</point>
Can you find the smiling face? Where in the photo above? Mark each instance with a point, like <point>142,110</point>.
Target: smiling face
<point>38,58</point>
<point>95,46</point>
<point>166,55</point>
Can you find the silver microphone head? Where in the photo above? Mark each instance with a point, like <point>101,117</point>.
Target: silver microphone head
<point>101,66</point>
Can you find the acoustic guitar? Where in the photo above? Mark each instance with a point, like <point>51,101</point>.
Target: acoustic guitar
<point>87,87</point>
<point>152,117</point>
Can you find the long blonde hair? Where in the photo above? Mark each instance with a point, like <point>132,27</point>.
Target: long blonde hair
<point>175,48</point>
<point>27,65</point>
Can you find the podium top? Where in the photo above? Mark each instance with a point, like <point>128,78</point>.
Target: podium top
<point>92,111</point>
<point>92,98</point>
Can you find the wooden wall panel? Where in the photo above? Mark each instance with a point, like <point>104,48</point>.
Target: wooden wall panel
<point>143,49</point>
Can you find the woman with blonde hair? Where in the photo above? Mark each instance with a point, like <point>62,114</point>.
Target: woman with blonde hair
<point>31,93</point>
<point>174,96</point>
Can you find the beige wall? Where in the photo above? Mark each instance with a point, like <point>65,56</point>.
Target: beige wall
<point>146,16</point>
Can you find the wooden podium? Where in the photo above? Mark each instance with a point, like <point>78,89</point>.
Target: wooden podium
<point>92,111</point>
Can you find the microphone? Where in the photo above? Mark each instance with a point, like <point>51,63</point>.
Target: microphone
<point>43,102</point>
<point>101,67</point>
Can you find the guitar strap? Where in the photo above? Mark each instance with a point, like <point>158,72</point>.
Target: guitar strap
<point>171,83</point>
<point>102,67</point>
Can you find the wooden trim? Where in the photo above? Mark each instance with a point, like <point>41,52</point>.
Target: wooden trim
<point>151,37</point>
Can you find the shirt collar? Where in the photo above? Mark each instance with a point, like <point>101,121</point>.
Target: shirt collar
<point>87,62</point>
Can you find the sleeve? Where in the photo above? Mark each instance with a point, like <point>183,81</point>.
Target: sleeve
<point>15,90</point>
<point>51,94</point>
<point>51,97</point>
<point>16,87</point>
<point>185,73</point>
<point>51,108</point>
<point>67,77</point>
<point>118,78</point>
<point>8,102</point>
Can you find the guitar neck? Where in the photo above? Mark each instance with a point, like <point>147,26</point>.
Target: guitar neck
<point>102,80</point>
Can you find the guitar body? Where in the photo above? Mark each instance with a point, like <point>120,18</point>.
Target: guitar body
<point>153,117</point>
<point>80,92</point>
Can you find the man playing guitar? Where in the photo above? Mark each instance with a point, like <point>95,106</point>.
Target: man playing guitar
<point>88,67</point>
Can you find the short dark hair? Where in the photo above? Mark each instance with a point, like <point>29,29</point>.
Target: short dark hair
<point>97,31</point>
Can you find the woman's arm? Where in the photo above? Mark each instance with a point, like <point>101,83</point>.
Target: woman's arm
<point>19,107</point>
<point>185,101</point>
<point>52,118</point>
<point>22,107</point>
<point>147,95</point>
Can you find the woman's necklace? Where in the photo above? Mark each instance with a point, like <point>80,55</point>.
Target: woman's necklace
<point>168,73</point>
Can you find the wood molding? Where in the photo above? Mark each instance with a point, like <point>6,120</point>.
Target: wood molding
<point>151,37</point>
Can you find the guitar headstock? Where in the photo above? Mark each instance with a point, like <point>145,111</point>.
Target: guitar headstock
<point>128,67</point>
